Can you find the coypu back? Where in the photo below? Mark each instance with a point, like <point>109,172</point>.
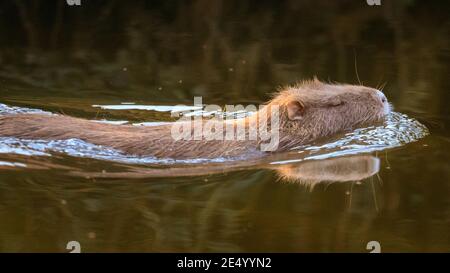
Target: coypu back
<point>154,141</point>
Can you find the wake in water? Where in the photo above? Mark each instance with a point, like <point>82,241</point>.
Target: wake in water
<point>11,110</point>
<point>397,130</point>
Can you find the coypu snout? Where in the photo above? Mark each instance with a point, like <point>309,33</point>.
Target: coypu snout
<point>386,105</point>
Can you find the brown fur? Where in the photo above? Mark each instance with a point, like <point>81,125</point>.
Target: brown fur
<point>325,109</point>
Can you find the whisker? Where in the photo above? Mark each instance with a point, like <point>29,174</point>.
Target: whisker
<point>378,84</point>
<point>351,193</point>
<point>379,179</point>
<point>356,68</point>
<point>374,194</point>
<point>383,86</point>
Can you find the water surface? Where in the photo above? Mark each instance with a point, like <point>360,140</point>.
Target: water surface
<point>106,59</point>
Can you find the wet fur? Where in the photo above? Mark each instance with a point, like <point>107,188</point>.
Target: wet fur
<point>328,109</point>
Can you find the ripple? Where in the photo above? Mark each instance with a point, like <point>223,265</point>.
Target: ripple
<point>80,148</point>
<point>9,110</point>
<point>397,130</point>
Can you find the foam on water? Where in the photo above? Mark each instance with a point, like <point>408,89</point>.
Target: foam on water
<point>399,129</point>
<point>188,111</point>
<point>158,108</point>
<point>8,110</point>
<point>80,148</point>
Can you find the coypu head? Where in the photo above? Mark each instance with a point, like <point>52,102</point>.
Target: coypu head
<point>313,109</point>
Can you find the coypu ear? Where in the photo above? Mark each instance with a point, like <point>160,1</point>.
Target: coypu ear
<point>295,110</point>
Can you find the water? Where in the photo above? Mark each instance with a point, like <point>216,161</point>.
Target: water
<point>136,63</point>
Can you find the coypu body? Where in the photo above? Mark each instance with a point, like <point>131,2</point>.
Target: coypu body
<point>307,112</point>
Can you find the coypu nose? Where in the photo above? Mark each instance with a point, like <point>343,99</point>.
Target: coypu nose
<point>381,96</point>
<point>387,108</point>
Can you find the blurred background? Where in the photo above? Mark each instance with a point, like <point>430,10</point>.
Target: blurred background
<point>64,58</point>
<point>226,50</point>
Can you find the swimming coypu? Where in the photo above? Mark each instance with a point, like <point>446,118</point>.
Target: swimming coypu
<point>307,111</point>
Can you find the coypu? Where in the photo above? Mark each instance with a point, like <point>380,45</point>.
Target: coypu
<point>308,111</point>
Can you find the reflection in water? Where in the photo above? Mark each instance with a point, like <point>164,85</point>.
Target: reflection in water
<point>341,169</point>
<point>176,214</point>
<point>308,173</point>
<point>11,164</point>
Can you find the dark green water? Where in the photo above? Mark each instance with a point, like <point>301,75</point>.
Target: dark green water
<point>66,59</point>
